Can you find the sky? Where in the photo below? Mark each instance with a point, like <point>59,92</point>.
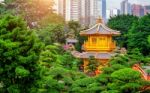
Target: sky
<point>116,3</point>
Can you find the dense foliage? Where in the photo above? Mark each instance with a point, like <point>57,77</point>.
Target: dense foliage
<point>134,31</point>
<point>74,28</point>
<point>138,35</point>
<point>19,53</point>
<point>53,33</point>
<point>122,23</point>
<point>37,13</point>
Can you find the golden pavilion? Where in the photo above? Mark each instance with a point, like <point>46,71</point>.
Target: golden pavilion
<point>99,43</point>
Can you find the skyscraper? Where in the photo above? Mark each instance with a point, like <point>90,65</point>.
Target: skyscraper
<point>85,12</point>
<point>115,12</point>
<point>112,13</point>
<point>73,10</point>
<point>98,9</point>
<point>108,14</point>
<point>146,9</point>
<point>60,7</point>
<point>102,9</point>
<point>137,10</point>
<point>126,7</point>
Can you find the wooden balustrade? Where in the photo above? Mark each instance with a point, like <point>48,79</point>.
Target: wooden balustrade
<point>88,45</point>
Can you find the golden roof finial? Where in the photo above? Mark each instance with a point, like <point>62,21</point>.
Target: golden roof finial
<point>99,20</point>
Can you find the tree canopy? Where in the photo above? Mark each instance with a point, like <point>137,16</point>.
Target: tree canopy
<point>19,53</point>
<point>37,13</point>
<point>53,33</point>
<point>138,35</point>
<point>122,23</point>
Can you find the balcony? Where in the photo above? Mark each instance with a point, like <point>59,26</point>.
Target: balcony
<point>87,46</point>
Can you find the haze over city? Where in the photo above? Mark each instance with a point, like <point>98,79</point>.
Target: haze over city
<point>116,3</point>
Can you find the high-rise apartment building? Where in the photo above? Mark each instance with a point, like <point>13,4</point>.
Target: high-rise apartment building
<point>60,7</point>
<point>115,12</point>
<point>98,9</point>
<point>102,10</point>
<point>84,11</point>
<point>77,10</point>
<point>126,7</point>
<point>73,10</point>
<point>146,9</point>
<point>112,13</point>
<point>108,14</point>
<point>137,10</point>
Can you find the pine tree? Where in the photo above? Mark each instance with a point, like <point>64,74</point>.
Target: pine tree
<point>19,53</point>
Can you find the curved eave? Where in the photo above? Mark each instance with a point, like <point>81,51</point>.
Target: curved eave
<point>112,34</point>
<point>84,31</point>
<point>97,32</point>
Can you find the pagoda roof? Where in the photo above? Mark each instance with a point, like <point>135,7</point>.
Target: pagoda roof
<point>87,55</point>
<point>99,29</point>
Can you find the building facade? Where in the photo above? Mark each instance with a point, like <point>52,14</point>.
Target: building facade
<point>59,7</point>
<point>73,10</point>
<point>77,10</point>
<point>146,9</point>
<point>97,9</point>
<point>112,13</point>
<point>84,11</point>
<point>137,10</point>
<point>102,9</point>
<point>108,14</point>
<point>126,7</point>
<point>115,12</point>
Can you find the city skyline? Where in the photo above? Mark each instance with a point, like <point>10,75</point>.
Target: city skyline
<point>87,11</point>
<point>111,4</point>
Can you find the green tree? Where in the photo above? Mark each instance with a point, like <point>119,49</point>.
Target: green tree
<point>55,56</point>
<point>126,81</point>
<point>19,53</point>
<point>49,56</point>
<point>2,8</point>
<point>138,35</point>
<point>58,70</point>
<point>148,39</point>
<point>37,13</point>
<point>85,85</point>
<point>56,79</point>
<point>120,59</point>
<point>122,23</point>
<point>53,33</point>
<point>136,56</point>
<point>52,80</point>
<point>92,65</point>
<point>68,61</point>
<point>80,42</point>
<point>74,28</point>
<point>51,18</point>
